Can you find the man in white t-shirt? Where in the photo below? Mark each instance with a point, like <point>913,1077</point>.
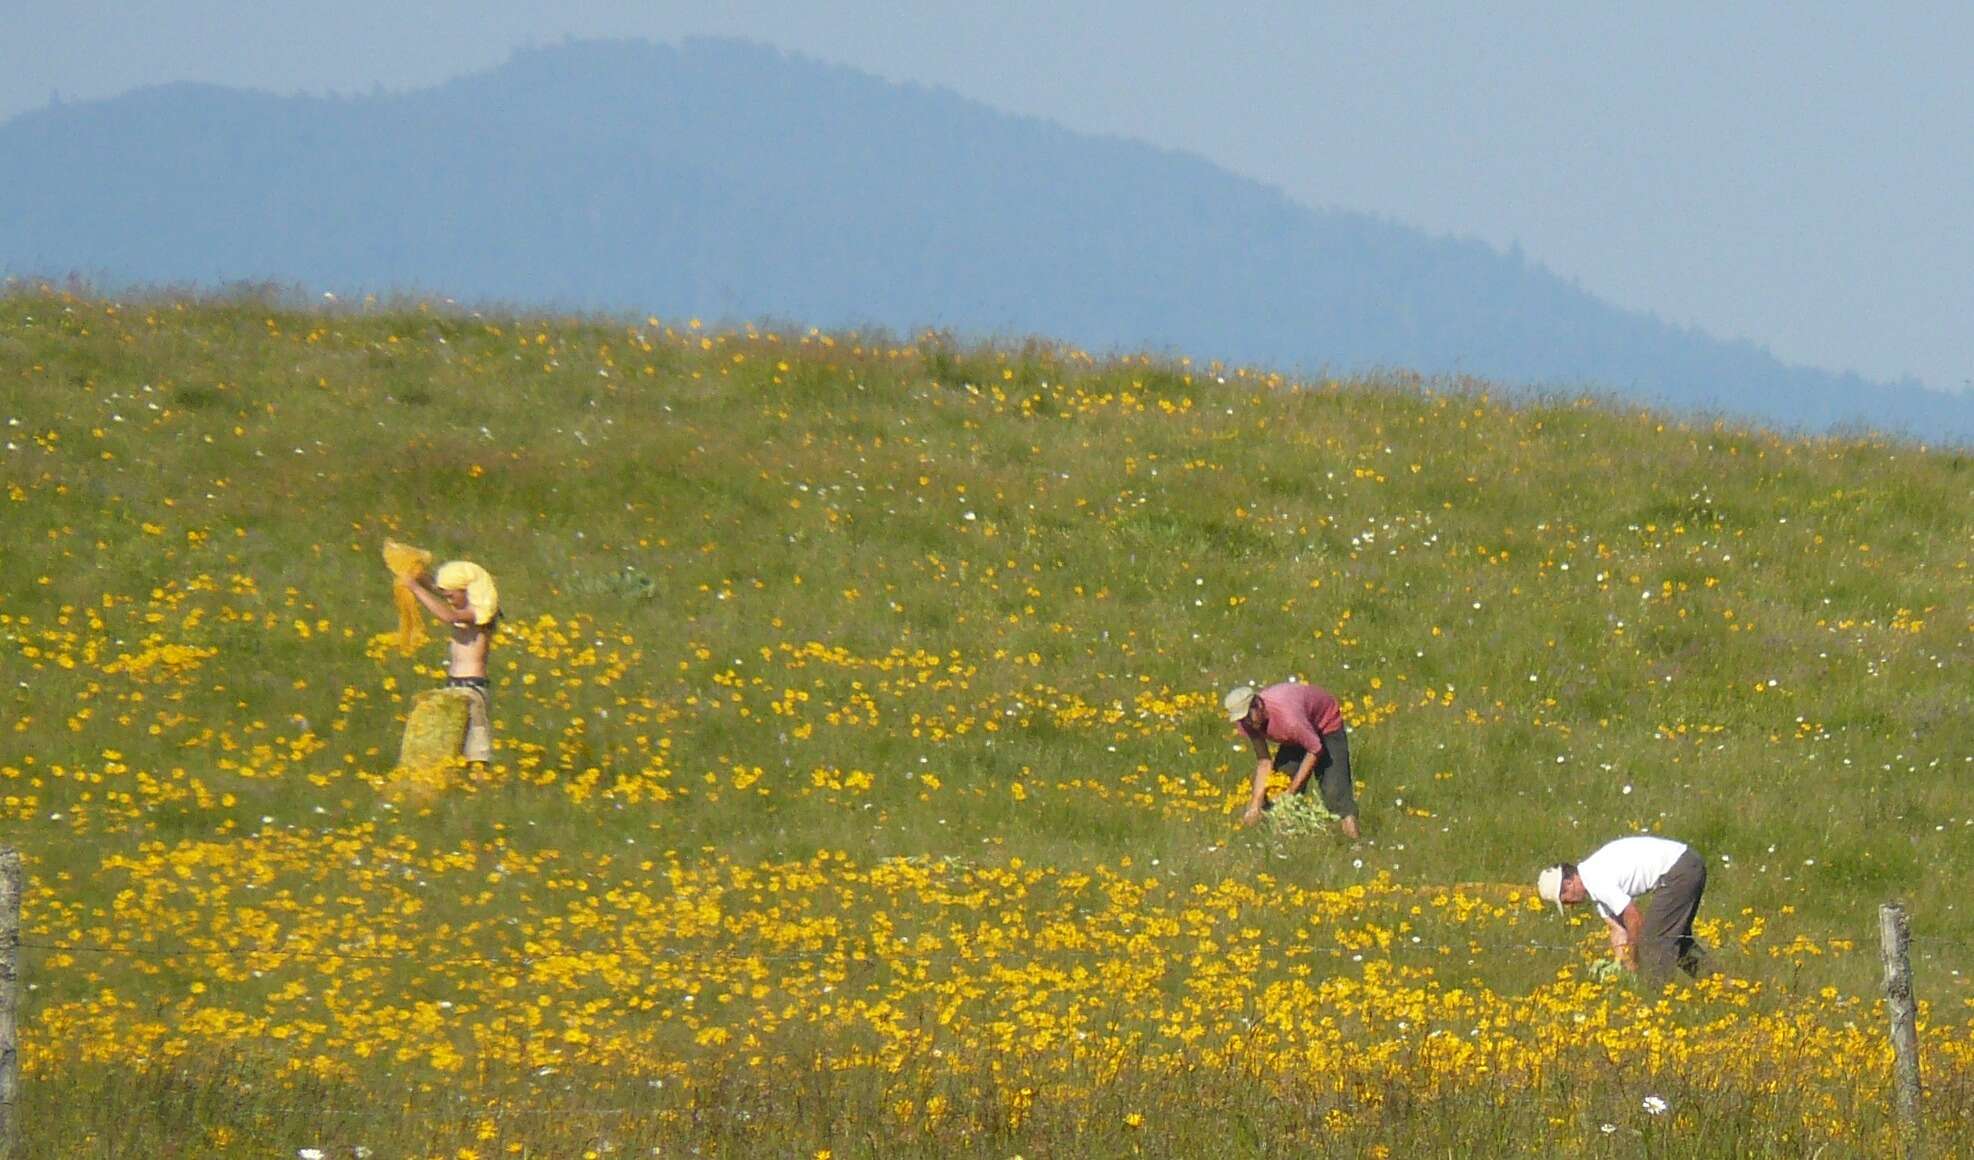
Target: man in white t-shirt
<point>1612,879</point>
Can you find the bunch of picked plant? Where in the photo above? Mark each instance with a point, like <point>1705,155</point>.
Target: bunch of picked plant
<point>1299,815</point>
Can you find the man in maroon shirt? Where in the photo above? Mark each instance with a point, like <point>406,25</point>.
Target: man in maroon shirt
<point>1307,728</point>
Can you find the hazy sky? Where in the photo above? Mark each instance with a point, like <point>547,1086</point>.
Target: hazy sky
<point>1800,175</point>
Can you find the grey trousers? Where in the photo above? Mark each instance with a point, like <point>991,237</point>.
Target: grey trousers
<point>478,743</point>
<point>1331,775</point>
<point>1668,941</point>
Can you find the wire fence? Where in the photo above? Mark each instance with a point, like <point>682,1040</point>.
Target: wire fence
<point>850,952</point>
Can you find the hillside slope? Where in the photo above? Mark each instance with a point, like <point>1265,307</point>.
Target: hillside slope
<point>732,182</point>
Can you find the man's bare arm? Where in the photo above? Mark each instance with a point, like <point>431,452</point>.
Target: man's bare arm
<point>437,605</point>
<point>1626,930</point>
<point>1303,771</point>
<point>1259,797</point>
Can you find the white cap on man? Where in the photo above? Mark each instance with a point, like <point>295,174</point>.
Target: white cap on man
<point>1237,702</point>
<point>1549,886</point>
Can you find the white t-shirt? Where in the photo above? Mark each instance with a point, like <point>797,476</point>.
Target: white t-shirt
<point>1626,868</point>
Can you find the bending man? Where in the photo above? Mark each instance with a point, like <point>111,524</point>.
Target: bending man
<point>1612,879</point>
<point>1304,723</point>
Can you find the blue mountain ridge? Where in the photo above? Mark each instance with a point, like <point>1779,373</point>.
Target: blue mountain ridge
<point>732,181</point>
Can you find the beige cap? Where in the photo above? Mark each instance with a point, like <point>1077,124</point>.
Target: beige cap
<point>1238,701</point>
<point>1549,886</point>
<point>465,576</point>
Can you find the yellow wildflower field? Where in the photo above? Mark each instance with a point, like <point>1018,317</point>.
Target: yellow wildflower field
<point>861,786</point>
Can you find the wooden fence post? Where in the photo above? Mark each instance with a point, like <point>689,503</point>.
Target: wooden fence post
<point>10,945</point>
<point>1894,938</point>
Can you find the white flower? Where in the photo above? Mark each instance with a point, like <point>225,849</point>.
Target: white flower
<point>1607,1129</point>
<point>309,1153</point>
<point>1655,1105</point>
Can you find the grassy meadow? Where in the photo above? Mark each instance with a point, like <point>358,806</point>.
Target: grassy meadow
<point>861,786</point>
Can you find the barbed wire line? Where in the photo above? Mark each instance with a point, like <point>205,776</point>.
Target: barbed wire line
<point>724,954</point>
<point>846,956</point>
<point>436,1113</point>
<point>1821,947</point>
<point>527,958</point>
<point>184,952</point>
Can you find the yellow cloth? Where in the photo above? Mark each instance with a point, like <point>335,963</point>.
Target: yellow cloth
<point>434,727</point>
<point>405,561</point>
<point>481,595</point>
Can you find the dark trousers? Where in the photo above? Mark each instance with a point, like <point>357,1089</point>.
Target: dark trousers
<point>1332,772</point>
<point>1668,941</point>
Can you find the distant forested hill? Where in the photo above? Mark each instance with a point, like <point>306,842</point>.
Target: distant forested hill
<point>731,181</point>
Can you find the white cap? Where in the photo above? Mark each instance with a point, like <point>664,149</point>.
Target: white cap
<point>1549,886</point>
<point>1238,701</point>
